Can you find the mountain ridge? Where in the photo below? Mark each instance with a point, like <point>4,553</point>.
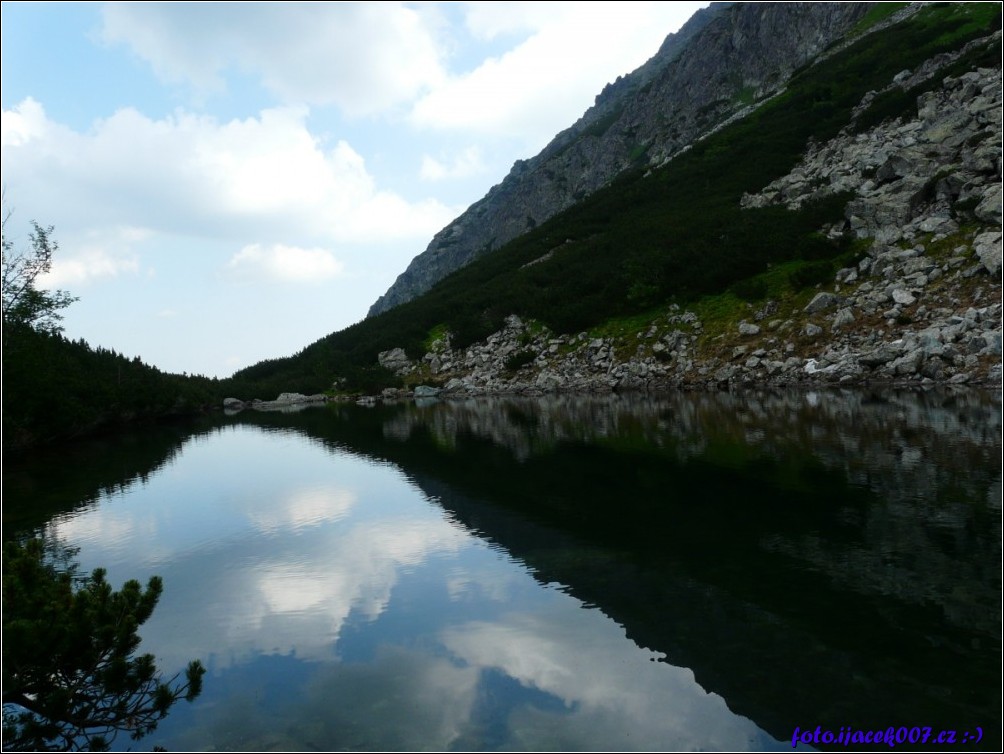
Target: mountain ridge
<point>724,58</point>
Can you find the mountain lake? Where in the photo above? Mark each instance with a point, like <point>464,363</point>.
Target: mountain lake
<point>653,572</point>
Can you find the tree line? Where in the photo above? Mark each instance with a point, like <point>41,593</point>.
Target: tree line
<point>55,388</point>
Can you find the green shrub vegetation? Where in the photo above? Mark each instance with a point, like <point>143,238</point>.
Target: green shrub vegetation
<point>519,359</point>
<point>71,679</point>
<point>811,273</point>
<point>876,14</point>
<point>751,289</point>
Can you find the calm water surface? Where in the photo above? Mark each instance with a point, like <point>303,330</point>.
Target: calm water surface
<point>688,572</point>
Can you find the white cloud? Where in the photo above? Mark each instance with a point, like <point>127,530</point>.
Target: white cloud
<point>285,263</point>
<point>363,57</point>
<point>367,58</point>
<point>463,165</point>
<point>86,267</point>
<point>266,179</point>
<point>270,163</point>
<point>493,19</point>
<point>542,85</point>
<point>96,255</point>
<point>22,124</point>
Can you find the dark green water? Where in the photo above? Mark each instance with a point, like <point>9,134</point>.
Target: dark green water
<point>695,571</point>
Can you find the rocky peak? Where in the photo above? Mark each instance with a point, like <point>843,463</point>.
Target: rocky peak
<point>722,60</point>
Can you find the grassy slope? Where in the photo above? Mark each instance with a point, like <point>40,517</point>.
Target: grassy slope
<point>673,234</point>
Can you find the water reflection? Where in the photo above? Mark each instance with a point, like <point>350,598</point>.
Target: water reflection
<point>910,442</point>
<point>606,694</point>
<point>684,572</point>
<point>302,508</point>
<point>850,540</point>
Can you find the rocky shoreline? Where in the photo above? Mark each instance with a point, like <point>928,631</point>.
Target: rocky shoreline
<point>963,348</point>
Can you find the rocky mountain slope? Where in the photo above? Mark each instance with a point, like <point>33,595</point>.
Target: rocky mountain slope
<point>923,303</point>
<point>725,58</point>
<point>846,229</point>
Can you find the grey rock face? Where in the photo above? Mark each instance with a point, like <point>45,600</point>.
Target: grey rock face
<point>395,360</point>
<point>691,85</point>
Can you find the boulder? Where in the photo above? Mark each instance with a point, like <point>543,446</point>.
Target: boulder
<point>908,364</point>
<point>896,167</point>
<point>989,209</point>
<point>993,341</point>
<point>821,302</point>
<point>393,359</point>
<point>842,317</point>
<point>879,356</point>
<point>549,381</point>
<point>903,297</point>
<point>726,373</point>
<point>289,398</point>
<point>988,248</point>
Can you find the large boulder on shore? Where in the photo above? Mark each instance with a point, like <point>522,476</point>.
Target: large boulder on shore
<point>291,398</point>
<point>394,359</point>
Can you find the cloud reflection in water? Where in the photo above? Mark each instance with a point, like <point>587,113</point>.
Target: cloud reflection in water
<point>336,607</point>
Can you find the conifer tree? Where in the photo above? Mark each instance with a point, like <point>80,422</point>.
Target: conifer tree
<point>71,678</point>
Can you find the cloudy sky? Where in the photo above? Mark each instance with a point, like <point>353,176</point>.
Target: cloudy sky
<point>230,182</point>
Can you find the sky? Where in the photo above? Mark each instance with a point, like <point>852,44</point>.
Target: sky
<point>229,182</point>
